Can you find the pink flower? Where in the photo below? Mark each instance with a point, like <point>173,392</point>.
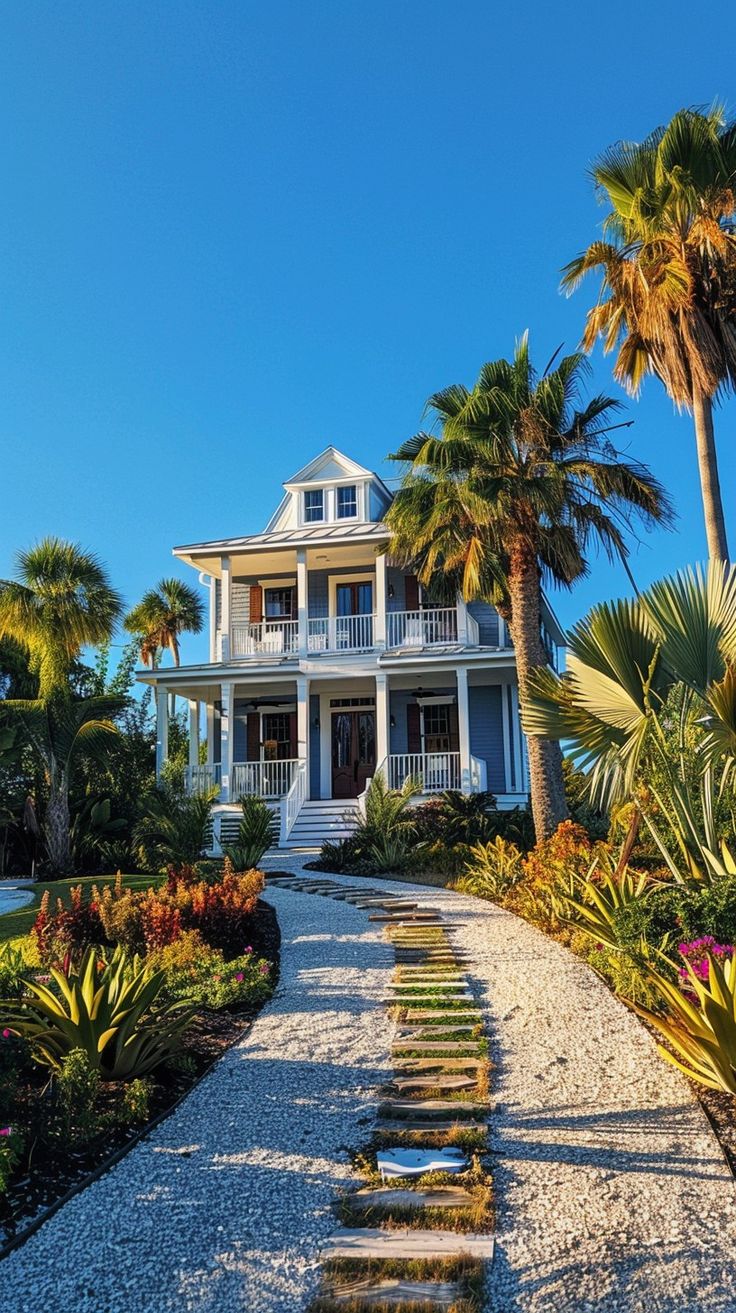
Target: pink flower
<point>6,1033</point>
<point>249,949</point>
<point>239,976</point>
<point>264,968</point>
<point>6,1130</point>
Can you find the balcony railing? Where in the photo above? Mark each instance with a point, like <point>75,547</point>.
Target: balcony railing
<point>422,628</point>
<point>269,637</point>
<point>267,779</point>
<point>436,770</point>
<point>341,633</point>
<point>201,779</point>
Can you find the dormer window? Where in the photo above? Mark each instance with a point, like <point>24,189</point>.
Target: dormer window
<point>347,502</point>
<point>314,506</point>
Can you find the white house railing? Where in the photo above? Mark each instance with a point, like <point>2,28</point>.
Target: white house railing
<point>200,779</point>
<point>422,628</point>
<point>267,779</point>
<point>292,804</point>
<point>277,637</point>
<point>437,770</point>
<point>341,633</point>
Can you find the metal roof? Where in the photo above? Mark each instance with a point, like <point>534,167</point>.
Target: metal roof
<point>329,533</point>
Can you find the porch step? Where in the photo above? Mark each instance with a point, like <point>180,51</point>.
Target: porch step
<point>323,819</point>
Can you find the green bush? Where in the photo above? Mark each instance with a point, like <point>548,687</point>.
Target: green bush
<point>78,1092</point>
<point>175,827</point>
<point>12,970</point>
<point>11,1146</point>
<point>135,1105</point>
<point>199,975</point>
<point>257,832</point>
<point>492,869</point>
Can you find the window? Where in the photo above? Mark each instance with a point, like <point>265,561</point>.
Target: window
<point>347,502</point>
<point>314,506</point>
<point>276,736</point>
<point>437,727</point>
<point>279,603</point>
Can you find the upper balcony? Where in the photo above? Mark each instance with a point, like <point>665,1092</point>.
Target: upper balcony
<point>417,630</point>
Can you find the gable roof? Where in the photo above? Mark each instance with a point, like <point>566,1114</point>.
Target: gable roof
<point>330,464</point>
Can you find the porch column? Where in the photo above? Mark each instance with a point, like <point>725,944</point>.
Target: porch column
<point>212,585</point>
<point>210,733</point>
<point>379,624</point>
<point>463,725</point>
<point>162,728</point>
<point>302,717</point>
<point>227,696</point>
<point>225,645</point>
<point>193,732</point>
<point>462,620</point>
<point>382,722</point>
<point>301,597</point>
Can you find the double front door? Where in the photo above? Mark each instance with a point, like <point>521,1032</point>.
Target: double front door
<point>353,751</point>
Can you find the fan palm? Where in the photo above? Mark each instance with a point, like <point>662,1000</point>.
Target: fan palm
<point>58,729</point>
<point>514,488</point>
<point>163,614</point>
<point>624,661</point>
<point>668,266</point>
<point>61,601</point>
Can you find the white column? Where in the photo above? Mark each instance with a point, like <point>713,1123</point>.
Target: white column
<point>462,620</point>
<point>302,717</point>
<point>225,608</point>
<point>379,604</point>
<point>210,734</point>
<point>227,696</point>
<point>301,597</point>
<point>193,732</point>
<point>213,618</point>
<point>162,728</point>
<point>463,725</point>
<point>505,725</point>
<point>382,723</point>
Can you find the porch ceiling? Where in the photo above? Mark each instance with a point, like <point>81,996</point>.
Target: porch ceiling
<point>276,559</point>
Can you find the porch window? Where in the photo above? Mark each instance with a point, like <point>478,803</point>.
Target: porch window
<point>347,502</point>
<point>276,736</point>
<point>314,505</point>
<point>437,731</point>
<point>279,603</point>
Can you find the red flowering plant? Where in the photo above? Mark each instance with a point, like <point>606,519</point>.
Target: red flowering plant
<point>62,935</point>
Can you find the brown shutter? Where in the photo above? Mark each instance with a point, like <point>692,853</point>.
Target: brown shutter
<point>413,727</point>
<point>254,736</point>
<point>411,594</point>
<point>293,742</point>
<point>454,731</point>
<point>256,604</point>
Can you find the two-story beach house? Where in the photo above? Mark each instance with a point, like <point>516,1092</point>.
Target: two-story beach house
<point>327,663</point>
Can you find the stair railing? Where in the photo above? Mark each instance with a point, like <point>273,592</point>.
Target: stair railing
<point>377,770</point>
<point>293,802</point>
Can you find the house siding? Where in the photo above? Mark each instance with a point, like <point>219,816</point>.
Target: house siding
<point>486,732</point>
<point>486,617</point>
<point>395,580</point>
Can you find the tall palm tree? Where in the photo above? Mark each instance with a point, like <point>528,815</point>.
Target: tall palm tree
<point>163,614</point>
<point>668,294</point>
<point>512,491</point>
<point>61,601</point>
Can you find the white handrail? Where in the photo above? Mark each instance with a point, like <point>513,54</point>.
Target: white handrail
<point>478,775</point>
<point>436,770</point>
<point>341,633</point>
<point>280,637</point>
<point>292,804</point>
<point>432,628</point>
<point>266,779</point>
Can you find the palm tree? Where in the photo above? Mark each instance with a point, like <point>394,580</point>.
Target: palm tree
<point>163,614</point>
<point>61,601</point>
<point>512,491</point>
<point>668,295</point>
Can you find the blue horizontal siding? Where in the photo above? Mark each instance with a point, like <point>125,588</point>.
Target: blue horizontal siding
<point>486,732</point>
<point>487,620</point>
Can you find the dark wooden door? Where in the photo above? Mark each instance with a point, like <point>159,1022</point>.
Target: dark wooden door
<point>353,751</point>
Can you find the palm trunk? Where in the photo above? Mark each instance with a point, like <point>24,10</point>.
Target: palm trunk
<point>546,781</point>
<point>710,487</point>
<point>56,826</point>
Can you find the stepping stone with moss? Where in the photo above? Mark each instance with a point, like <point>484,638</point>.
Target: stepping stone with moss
<point>430,1032</point>
<point>376,1242</point>
<point>441,1014</point>
<point>440,1081</point>
<point>398,1125</point>
<point>420,1063</point>
<point>432,1109</point>
<point>435,1046</point>
<point>369,1291</point>
<point>448,1196</point>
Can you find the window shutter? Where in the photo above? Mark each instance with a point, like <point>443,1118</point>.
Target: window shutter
<point>293,741</point>
<point>413,727</point>
<point>254,736</point>
<point>411,594</point>
<point>256,604</point>
<point>453,727</point>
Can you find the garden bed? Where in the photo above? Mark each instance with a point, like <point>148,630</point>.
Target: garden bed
<point>51,1170</point>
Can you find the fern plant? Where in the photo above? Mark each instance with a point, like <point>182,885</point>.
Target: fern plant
<point>256,833</point>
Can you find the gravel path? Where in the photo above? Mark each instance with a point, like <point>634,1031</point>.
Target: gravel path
<point>223,1208</point>
<point>613,1194</point>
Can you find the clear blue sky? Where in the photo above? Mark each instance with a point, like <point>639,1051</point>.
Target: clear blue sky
<point>233,233</point>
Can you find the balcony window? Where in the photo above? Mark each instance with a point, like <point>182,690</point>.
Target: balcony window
<point>347,502</point>
<point>279,603</point>
<point>314,506</point>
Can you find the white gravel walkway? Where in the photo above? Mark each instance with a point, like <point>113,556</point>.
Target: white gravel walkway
<point>223,1208</point>
<point>613,1194</point>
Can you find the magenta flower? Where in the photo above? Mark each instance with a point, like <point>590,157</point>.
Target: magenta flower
<point>6,1130</point>
<point>249,949</point>
<point>239,976</point>
<point>264,968</point>
<point>6,1033</point>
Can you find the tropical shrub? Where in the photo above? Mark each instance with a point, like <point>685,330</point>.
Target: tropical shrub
<point>175,827</point>
<point>110,1010</point>
<point>67,931</point>
<point>548,869</point>
<point>11,1145</point>
<point>492,869</point>
<point>387,810</point>
<point>13,1057</point>
<point>135,1104</point>
<point>454,817</point>
<point>700,1023</point>
<point>257,832</point>
<point>198,974</point>
<point>78,1089</point>
<point>12,970</point>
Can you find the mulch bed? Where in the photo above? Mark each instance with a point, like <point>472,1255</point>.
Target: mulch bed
<point>51,1169</point>
<point>720,1109</point>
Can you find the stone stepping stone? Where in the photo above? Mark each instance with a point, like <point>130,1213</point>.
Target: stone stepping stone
<point>434,982</point>
<point>430,1032</point>
<point>376,902</point>
<point>431,1109</point>
<point>440,1014</point>
<point>393,1126</point>
<point>375,1242</point>
<point>416,1162</point>
<point>409,998</point>
<point>434,1046</point>
<point>418,1063</point>
<point>441,1081</point>
<point>447,1196</point>
<point>440,1294</point>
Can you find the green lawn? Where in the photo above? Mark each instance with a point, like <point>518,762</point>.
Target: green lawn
<point>17,923</point>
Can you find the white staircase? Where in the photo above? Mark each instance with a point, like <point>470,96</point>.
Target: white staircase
<point>317,821</point>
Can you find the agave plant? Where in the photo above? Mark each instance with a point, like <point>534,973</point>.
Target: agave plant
<point>596,904</point>
<point>112,1014</point>
<point>625,660</point>
<point>700,1029</point>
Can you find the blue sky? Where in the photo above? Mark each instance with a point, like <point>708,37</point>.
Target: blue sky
<point>233,233</point>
